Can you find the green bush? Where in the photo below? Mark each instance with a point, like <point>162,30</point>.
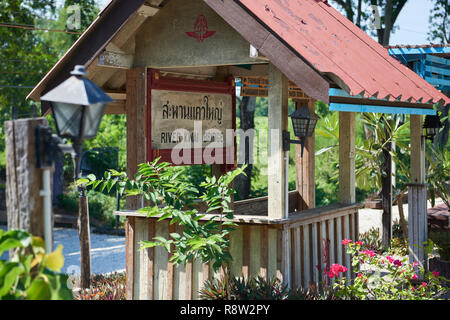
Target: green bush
<point>31,273</point>
<point>442,241</point>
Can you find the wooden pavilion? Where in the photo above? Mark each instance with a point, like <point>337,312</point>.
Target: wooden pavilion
<point>135,43</point>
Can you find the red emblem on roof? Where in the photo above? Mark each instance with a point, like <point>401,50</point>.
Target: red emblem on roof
<point>201,31</point>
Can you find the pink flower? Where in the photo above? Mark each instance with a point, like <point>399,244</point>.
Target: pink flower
<point>368,252</point>
<point>424,284</point>
<point>435,273</point>
<point>415,264</point>
<point>390,259</point>
<point>359,243</point>
<point>398,263</point>
<point>346,242</point>
<point>359,275</point>
<point>414,276</point>
<point>335,269</point>
<point>413,289</point>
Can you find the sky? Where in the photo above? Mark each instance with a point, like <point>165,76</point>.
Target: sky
<point>413,22</point>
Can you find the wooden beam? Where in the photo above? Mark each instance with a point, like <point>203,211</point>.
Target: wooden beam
<point>136,109</point>
<point>118,107</point>
<point>417,150</point>
<point>277,164</point>
<point>305,168</point>
<point>147,10</point>
<point>254,53</point>
<point>115,60</point>
<point>117,95</point>
<point>347,157</point>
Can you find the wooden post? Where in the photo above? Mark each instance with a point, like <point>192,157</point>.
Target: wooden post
<point>347,157</point>
<point>277,159</point>
<point>23,180</point>
<point>305,168</point>
<point>85,240</point>
<point>136,108</point>
<point>417,195</point>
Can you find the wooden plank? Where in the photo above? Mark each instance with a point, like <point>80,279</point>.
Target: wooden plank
<point>170,266</point>
<point>264,265</point>
<point>347,182</point>
<point>246,251</point>
<point>280,273</point>
<point>236,250</point>
<point>112,59</point>
<point>130,251</point>
<point>255,250</point>
<point>293,264</point>
<point>161,279</point>
<point>346,223</point>
<point>297,274</point>
<point>141,260</point>
<point>277,179</point>
<point>151,259</point>
<point>302,256</point>
<point>286,257</point>
<point>272,249</point>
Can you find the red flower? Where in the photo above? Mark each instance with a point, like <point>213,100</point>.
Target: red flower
<point>390,259</point>
<point>346,242</point>
<point>398,263</point>
<point>414,276</point>
<point>359,275</point>
<point>424,284</point>
<point>330,274</point>
<point>359,243</point>
<point>435,273</point>
<point>413,289</point>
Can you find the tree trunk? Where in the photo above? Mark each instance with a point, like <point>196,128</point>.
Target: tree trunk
<point>247,119</point>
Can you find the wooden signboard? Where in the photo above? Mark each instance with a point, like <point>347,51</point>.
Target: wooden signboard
<point>191,121</point>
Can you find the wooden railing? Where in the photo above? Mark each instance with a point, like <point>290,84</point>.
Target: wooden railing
<point>289,249</point>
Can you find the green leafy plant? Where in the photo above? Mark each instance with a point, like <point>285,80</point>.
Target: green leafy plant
<point>401,280</point>
<point>441,239</point>
<point>170,196</point>
<point>438,175</point>
<point>371,240</point>
<point>31,273</point>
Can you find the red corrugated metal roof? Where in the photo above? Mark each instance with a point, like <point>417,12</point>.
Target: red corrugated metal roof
<point>338,48</point>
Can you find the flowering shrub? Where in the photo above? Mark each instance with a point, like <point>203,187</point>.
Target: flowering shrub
<point>383,277</point>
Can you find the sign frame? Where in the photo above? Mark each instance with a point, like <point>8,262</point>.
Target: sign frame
<point>155,81</point>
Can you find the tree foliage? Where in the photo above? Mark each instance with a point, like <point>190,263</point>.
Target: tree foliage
<point>439,28</point>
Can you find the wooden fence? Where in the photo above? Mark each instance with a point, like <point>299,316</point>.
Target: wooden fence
<point>290,249</point>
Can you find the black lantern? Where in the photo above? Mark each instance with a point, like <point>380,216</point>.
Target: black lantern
<point>303,123</point>
<point>432,124</point>
<point>77,106</point>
